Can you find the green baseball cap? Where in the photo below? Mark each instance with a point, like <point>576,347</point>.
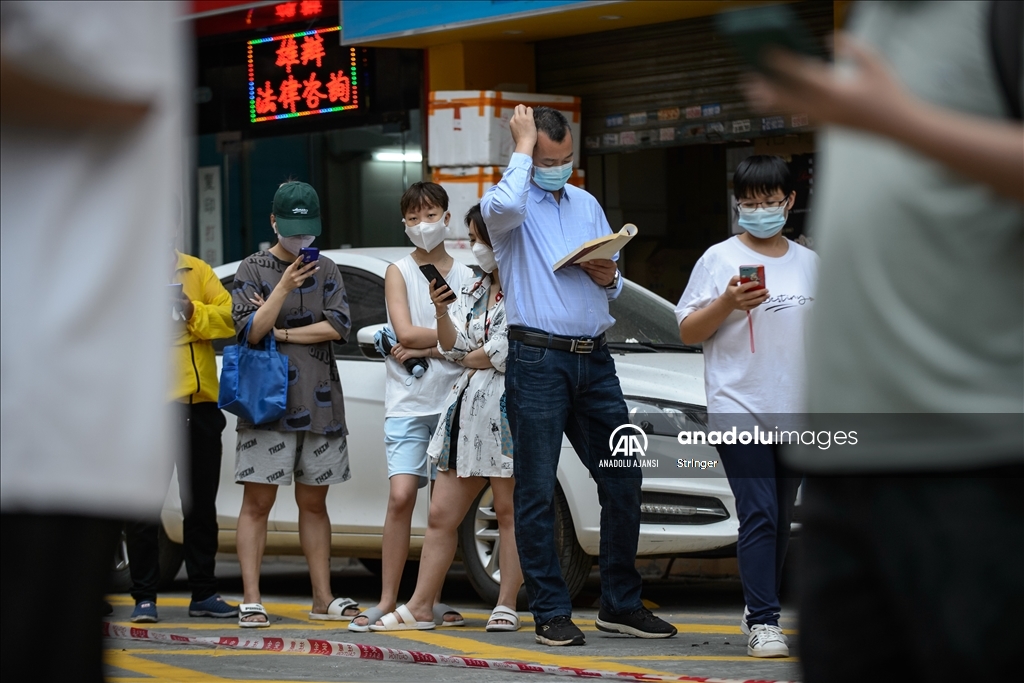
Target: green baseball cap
<point>297,209</point>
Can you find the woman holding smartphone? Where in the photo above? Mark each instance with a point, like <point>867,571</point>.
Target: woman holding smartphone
<point>472,443</point>
<point>304,306</point>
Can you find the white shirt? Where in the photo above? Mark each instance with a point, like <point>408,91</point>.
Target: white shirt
<point>768,378</point>
<point>86,222</point>
<point>426,395</point>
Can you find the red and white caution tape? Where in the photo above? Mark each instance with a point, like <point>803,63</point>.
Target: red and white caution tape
<point>331,648</point>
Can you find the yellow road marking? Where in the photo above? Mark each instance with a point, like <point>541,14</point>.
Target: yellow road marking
<point>129,662</point>
<point>159,672</point>
<point>504,652</point>
<point>342,627</point>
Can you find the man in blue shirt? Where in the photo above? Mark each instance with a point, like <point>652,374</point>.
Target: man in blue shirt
<point>560,376</point>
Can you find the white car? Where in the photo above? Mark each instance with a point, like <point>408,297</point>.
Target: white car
<point>664,388</point>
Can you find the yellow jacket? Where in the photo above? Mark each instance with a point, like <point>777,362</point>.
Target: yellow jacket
<point>194,362</point>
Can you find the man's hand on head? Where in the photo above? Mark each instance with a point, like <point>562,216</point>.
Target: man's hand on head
<point>524,129</point>
<point>601,271</point>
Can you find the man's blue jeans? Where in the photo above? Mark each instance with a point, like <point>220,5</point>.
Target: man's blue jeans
<point>548,393</point>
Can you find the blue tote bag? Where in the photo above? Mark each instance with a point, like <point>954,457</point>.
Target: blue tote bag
<point>254,380</point>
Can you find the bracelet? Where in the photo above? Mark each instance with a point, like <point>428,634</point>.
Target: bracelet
<point>286,335</point>
<point>438,317</point>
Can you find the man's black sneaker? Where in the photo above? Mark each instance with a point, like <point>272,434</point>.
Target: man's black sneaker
<point>640,623</point>
<point>560,631</point>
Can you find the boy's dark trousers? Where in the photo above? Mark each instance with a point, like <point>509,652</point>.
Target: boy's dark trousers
<point>199,479</point>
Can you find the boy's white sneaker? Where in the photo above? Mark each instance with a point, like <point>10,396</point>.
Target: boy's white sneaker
<point>766,641</point>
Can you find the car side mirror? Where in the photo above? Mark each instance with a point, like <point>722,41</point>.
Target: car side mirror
<point>365,338</point>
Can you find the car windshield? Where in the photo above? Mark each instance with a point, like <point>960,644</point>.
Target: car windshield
<point>644,322</point>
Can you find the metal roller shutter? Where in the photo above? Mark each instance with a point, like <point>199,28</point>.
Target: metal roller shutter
<point>663,84</point>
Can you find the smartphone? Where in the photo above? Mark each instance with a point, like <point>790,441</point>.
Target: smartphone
<point>432,273</point>
<point>752,274</point>
<point>309,254</point>
<point>176,290</point>
<point>754,31</point>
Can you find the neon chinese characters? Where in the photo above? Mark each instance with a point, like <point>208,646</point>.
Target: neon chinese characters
<point>300,74</point>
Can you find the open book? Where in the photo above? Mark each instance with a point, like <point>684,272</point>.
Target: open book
<point>601,248</point>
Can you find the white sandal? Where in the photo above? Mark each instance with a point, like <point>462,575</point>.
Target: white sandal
<point>390,622</point>
<point>252,609</point>
<point>502,613</point>
<point>336,611</point>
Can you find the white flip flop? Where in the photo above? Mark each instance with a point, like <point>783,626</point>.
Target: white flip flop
<point>251,609</point>
<point>441,609</point>
<point>390,622</point>
<point>336,611</point>
<point>503,613</point>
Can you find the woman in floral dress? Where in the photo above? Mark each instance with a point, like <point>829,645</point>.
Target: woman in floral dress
<point>472,444</point>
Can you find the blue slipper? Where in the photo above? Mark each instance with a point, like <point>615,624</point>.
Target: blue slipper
<point>213,606</point>
<point>144,612</point>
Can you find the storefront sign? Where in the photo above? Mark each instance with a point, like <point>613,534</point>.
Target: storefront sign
<point>741,126</point>
<point>668,114</point>
<point>211,238</point>
<point>693,112</point>
<point>773,123</point>
<point>301,74</point>
<point>711,110</point>
<point>627,137</point>
<point>613,120</point>
<point>667,134</point>
<point>638,118</point>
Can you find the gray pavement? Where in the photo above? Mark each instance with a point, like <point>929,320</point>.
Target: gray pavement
<point>706,613</point>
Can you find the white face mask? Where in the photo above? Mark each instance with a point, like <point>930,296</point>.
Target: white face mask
<point>294,243</point>
<point>426,236</point>
<point>485,257</point>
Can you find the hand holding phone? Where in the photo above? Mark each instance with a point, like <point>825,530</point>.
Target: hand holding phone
<point>752,274</point>
<point>431,272</point>
<point>754,32</point>
<point>309,254</point>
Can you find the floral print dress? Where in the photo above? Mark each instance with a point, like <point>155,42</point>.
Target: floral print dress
<point>484,441</point>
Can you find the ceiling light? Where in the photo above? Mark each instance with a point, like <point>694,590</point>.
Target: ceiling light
<point>414,157</point>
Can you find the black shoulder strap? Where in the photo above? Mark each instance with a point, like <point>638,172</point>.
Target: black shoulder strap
<point>1006,35</point>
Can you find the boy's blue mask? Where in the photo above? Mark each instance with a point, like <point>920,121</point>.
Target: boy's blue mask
<point>552,179</point>
<point>764,223</point>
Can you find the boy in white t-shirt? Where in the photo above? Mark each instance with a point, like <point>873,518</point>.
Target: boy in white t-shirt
<point>753,335</point>
<point>412,405</point>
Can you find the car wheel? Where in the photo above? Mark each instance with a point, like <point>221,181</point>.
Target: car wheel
<point>172,555</point>
<point>120,576</point>
<point>480,545</point>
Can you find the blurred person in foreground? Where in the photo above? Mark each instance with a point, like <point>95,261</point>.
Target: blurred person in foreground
<point>201,313</point>
<point>920,309</point>
<point>92,119</point>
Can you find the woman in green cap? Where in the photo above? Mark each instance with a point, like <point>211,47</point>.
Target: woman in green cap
<point>304,306</point>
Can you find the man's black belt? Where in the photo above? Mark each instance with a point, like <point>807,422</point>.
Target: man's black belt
<point>557,342</point>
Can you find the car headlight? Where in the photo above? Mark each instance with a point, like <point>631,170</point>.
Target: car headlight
<point>665,418</point>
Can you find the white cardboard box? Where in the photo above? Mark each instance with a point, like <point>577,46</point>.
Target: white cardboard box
<point>466,186</point>
<point>470,127</point>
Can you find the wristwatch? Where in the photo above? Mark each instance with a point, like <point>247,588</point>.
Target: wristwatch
<point>615,281</point>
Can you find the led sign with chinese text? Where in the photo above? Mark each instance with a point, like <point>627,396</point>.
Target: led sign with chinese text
<point>301,74</point>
